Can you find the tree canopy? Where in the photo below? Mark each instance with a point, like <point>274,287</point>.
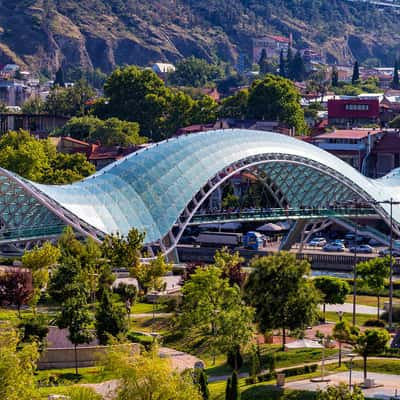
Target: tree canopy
<point>38,160</point>
<point>280,292</point>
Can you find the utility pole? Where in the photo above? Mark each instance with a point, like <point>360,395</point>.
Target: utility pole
<point>355,265</point>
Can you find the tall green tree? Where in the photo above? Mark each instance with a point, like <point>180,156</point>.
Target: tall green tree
<point>289,63</point>
<point>234,106</point>
<point>276,98</point>
<point>371,342</point>
<point>203,384</point>
<point>228,389</point>
<point>17,367</point>
<point>298,67</point>
<point>335,76</point>
<point>147,376</point>
<point>373,273</point>
<point>110,317</point>
<point>356,74</point>
<point>333,290</point>
<point>76,317</point>
<point>395,80</point>
<point>281,294</point>
<point>343,332</point>
<point>40,261</point>
<point>59,79</point>
<point>282,65</point>
<point>235,393</point>
<point>211,305</point>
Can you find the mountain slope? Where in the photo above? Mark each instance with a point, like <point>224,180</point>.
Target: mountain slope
<point>45,34</point>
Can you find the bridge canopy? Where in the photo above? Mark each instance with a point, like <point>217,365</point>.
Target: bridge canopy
<point>165,184</point>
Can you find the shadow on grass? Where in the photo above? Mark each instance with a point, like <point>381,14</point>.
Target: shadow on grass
<point>271,392</point>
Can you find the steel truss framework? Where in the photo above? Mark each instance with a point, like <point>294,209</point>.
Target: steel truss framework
<point>297,175</point>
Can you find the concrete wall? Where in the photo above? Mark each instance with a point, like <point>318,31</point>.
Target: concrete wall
<point>87,356</point>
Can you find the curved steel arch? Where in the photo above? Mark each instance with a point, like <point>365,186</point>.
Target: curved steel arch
<point>164,184</point>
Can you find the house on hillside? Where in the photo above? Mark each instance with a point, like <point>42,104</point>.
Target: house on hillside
<point>272,44</point>
<point>163,69</point>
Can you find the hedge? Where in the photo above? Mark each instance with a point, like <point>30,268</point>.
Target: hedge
<point>306,369</point>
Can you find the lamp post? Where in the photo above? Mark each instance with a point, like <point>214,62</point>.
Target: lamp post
<point>391,202</point>
<point>351,355</point>
<point>340,314</point>
<point>355,265</point>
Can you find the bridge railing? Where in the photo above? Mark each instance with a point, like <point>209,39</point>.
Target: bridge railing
<point>281,213</point>
<point>27,232</point>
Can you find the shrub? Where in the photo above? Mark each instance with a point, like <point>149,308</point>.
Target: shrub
<point>137,337</point>
<point>375,322</point>
<point>306,369</point>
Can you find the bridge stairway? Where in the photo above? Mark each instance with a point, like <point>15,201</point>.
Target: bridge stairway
<point>294,234</point>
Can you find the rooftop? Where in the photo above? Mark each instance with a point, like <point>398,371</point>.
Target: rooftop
<point>348,134</point>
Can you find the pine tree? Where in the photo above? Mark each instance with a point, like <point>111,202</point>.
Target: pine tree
<point>298,67</point>
<point>282,65</point>
<point>335,77</point>
<point>228,389</point>
<point>262,61</point>
<point>59,78</point>
<point>203,384</point>
<point>356,74</point>
<point>289,63</point>
<point>395,81</point>
<point>235,394</point>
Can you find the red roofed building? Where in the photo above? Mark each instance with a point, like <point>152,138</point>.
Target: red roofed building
<point>272,45</point>
<point>350,145</point>
<point>353,111</point>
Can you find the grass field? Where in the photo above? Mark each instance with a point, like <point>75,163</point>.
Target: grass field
<point>360,318</point>
<point>386,366</point>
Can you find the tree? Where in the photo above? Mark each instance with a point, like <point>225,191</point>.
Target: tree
<point>110,318</point>
<point>235,106</point>
<point>147,376</point>
<point>298,68</point>
<point>372,341</point>
<point>203,384</point>
<point>333,290</point>
<point>281,294</point>
<point>235,393</point>
<point>373,273</point>
<point>194,72</point>
<point>215,308</point>
<point>124,252</point>
<point>228,389</point>
<point>395,81</point>
<point>35,330</point>
<point>340,392</point>
<point>127,292</point>
<point>16,288</point>
<point>231,266</point>
<point>40,261</point>
<point>289,63</point>
<point>33,106</point>
<point>59,80</point>
<point>335,77</point>
<point>76,317</point>
<point>80,128</point>
<point>356,74</point>
<point>344,333</point>
<point>276,98</point>
<point>282,65</point>
<point>17,367</point>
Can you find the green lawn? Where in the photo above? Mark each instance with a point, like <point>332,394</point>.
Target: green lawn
<point>360,318</point>
<point>386,366</point>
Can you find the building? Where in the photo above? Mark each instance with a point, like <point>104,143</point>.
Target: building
<point>163,69</point>
<point>40,125</point>
<point>14,93</point>
<point>350,145</point>
<point>272,44</point>
<point>353,111</point>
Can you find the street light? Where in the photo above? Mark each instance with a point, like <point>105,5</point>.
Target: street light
<point>351,355</point>
<point>391,202</point>
<point>340,314</point>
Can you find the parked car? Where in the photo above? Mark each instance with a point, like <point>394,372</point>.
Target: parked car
<point>362,248</point>
<point>334,246</point>
<point>386,252</point>
<point>317,242</point>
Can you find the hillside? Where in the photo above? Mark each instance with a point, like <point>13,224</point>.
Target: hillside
<point>45,34</point>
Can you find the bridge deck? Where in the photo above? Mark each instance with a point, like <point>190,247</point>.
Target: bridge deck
<point>276,214</point>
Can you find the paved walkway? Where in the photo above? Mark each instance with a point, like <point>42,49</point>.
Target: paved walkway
<point>389,385</point>
<point>348,308</point>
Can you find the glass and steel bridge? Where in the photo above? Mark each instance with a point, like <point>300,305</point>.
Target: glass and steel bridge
<point>161,189</point>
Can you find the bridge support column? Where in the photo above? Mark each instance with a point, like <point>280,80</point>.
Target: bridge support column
<point>294,234</point>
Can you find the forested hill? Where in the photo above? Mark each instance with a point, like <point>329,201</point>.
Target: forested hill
<point>44,34</point>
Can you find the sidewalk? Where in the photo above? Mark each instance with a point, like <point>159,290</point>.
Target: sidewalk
<point>348,308</point>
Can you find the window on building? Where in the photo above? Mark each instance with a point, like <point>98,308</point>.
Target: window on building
<point>356,107</point>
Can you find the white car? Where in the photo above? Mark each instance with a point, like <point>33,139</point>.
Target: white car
<point>317,242</point>
<point>334,247</point>
<point>362,248</point>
